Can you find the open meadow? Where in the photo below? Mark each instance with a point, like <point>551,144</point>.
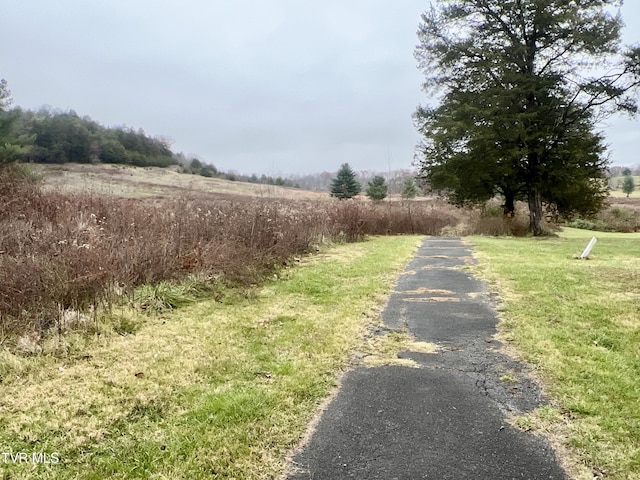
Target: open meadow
<point>183,335</point>
<point>155,182</point>
<point>155,329</point>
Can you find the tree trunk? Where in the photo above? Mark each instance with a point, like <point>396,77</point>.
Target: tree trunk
<point>535,211</point>
<point>509,207</point>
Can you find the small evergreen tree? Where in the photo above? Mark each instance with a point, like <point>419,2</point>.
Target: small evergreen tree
<point>409,189</point>
<point>628,185</point>
<point>377,189</point>
<point>345,184</point>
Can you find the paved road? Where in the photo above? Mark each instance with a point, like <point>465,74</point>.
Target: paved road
<point>445,419</point>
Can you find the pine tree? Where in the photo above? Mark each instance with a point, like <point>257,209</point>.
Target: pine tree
<point>409,189</point>
<point>518,100</point>
<point>345,184</point>
<point>628,185</point>
<point>377,189</point>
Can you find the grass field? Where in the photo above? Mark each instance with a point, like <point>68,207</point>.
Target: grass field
<point>578,322</point>
<point>134,182</point>
<point>224,389</point>
<point>215,389</point>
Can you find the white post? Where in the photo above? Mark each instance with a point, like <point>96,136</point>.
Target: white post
<point>587,250</point>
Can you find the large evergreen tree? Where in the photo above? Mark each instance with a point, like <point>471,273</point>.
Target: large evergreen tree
<point>517,103</point>
<point>345,184</point>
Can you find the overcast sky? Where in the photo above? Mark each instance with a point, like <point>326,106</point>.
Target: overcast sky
<point>256,86</point>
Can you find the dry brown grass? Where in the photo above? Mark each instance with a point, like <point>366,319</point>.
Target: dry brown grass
<point>68,252</point>
<point>490,221</point>
<point>135,182</point>
<point>632,203</point>
<point>78,252</point>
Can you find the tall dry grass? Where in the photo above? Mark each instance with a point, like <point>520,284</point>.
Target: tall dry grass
<point>73,252</point>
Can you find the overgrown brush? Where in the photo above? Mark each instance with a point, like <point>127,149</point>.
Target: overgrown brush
<point>490,220</point>
<point>427,217</point>
<point>63,253</point>
<point>70,252</point>
<point>612,219</point>
<point>76,252</point>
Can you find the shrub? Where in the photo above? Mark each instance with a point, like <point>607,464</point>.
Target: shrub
<point>587,224</point>
<point>354,219</point>
<point>490,220</point>
<point>611,219</point>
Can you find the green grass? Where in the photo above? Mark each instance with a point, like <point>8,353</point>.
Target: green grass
<point>209,389</point>
<point>578,322</point>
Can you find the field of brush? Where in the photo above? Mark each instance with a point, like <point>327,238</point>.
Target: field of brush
<point>67,252</point>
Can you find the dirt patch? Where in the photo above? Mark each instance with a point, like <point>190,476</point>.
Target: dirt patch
<point>433,299</point>
<point>433,291</point>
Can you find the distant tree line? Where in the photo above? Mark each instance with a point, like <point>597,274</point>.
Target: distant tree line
<point>322,182</point>
<point>618,171</point>
<point>196,166</point>
<point>54,136</point>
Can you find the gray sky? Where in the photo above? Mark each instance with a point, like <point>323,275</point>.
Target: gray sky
<point>257,86</point>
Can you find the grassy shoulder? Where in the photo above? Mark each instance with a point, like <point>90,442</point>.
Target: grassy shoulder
<point>210,390</point>
<point>578,322</point>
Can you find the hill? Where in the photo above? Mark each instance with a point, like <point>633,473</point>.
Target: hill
<point>139,182</point>
<point>154,182</point>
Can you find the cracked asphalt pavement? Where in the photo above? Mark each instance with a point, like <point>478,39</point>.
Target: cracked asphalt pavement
<point>447,418</point>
